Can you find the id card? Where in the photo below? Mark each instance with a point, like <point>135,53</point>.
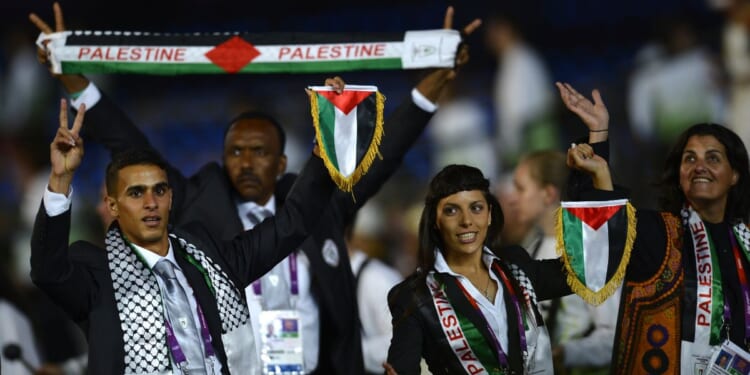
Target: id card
<point>281,342</point>
<point>729,358</point>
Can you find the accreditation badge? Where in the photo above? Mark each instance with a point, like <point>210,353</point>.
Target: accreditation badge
<point>281,342</point>
<point>729,358</point>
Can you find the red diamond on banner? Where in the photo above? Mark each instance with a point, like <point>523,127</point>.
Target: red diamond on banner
<point>233,54</point>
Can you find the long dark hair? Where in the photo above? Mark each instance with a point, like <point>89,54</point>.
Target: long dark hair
<point>450,180</point>
<point>738,203</point>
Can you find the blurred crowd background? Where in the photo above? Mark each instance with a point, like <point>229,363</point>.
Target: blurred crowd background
<point>660,66</point>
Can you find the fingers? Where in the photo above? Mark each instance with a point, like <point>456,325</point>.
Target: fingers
<point>472,26</point>
<point>78,121</point>
<point>63,113</point>
<point>336,83</point>
<point>41,25</point>
<point>448,20</point>
<point>70,135</point>
<point>597,98</point>
<point>463,55</point>
<point>581,152</point>
<point>59,24</point>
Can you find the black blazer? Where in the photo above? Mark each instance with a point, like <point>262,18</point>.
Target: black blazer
<point>208,197</point>
<point>77,277</point>
<point>417,331</point>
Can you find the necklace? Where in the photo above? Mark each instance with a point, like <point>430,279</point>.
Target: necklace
<point>487,288</point>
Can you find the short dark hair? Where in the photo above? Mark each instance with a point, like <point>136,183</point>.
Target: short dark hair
<point>258,115</point>
<point>452,179</point>
<point>738,203</point>
<point>128,157</point>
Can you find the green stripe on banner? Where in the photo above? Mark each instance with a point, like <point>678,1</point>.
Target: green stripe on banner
<point>573,229</point>
<point>327,119</point>
<point>81,67</point>
<point>481,348</point>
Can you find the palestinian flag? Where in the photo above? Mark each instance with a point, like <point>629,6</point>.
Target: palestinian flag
<point>592,238</point>
<point>348,129</point>
<point>72,52</point>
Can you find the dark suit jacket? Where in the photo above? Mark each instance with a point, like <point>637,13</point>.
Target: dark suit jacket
<point>208,197</point>
<point>417,331</point>
<point>77,277</point>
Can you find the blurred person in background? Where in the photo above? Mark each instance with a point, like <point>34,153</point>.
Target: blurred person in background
<point>735,51</point>
<point>523,97</point>
<point>461,132</point>
<point>676,81</point>
<point>373,279</point>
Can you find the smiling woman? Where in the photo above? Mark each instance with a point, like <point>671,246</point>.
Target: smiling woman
<point>467,309</point>
<point>686,284</point>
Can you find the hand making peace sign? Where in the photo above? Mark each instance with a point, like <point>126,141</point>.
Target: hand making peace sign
<point>66,150</point>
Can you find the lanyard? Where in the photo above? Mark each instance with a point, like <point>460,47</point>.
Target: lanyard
<point>502,357</point>
<point>176,349</point>
<point>294,288</point>
<point>743,283</point>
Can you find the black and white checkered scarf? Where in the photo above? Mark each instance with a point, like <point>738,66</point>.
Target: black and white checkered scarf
<point>140,308</point>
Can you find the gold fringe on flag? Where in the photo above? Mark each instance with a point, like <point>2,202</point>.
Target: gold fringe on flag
<point>346,183</point>
<point>591,297</point>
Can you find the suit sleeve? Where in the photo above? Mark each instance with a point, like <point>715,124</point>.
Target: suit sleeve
<point>254,252</point>
<point>547,275</point>
<point>405,352</point>
<point>66,282</point>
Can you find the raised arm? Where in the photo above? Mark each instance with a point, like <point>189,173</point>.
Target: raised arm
<point>66,151</point>
<point>72,83</point>
<point>404,126</point>
<point>594,115</point>
<point>51,266</point>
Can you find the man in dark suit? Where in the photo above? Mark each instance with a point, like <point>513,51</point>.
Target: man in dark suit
<point>253,160</point>
<point>115,295</point>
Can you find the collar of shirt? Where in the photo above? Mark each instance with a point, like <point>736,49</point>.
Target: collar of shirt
<point>151,257</point>
<point>243,208</point>
<point>442,266</point>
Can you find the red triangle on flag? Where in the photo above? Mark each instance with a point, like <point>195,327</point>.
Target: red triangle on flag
<point>347,100</point>
<point>595,217</point>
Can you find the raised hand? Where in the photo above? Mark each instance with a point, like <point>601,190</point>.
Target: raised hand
<point>431,86</point>
<point>462,55</point>
<point>582,157</point>
<point>71,82</point>
<point>66,150</point>
<point>594,115</point>
<point>336,83</point>
<point>42,54</point>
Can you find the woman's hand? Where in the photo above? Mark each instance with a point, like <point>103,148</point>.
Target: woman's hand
<point>594,115</point>
<point>583,158</point>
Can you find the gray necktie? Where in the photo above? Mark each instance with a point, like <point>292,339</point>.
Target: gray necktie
<point>181,318</point>
<point>257,214</point>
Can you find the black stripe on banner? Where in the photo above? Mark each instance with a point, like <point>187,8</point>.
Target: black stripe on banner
<point>617,240</point>
<point>205,39</point>
<point>366,119</point>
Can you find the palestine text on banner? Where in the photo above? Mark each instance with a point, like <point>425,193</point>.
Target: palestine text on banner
<point>590,235</point>
<point>348,129</point>
<point>73,52</point>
